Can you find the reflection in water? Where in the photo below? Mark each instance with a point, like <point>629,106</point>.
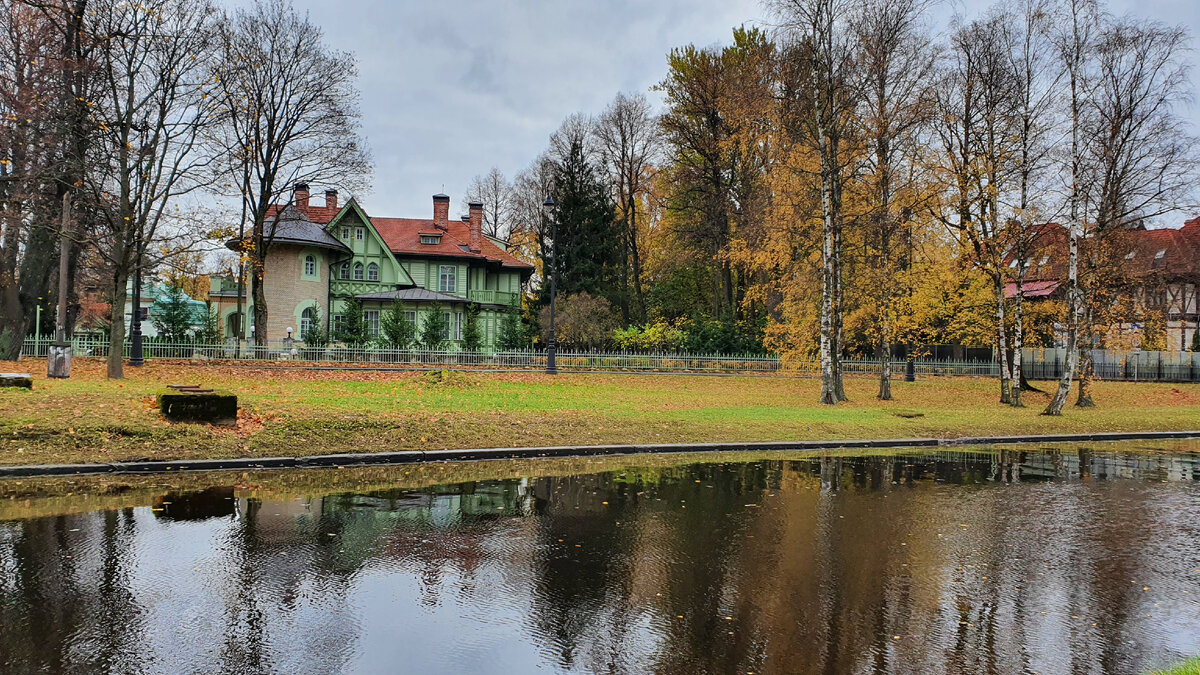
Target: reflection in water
<point>1004,562</point>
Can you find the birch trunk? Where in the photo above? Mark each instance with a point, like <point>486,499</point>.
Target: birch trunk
<point>1074,58</point>
<point>1002,341</point>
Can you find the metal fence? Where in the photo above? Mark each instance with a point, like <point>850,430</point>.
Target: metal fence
<point>1038,364</point>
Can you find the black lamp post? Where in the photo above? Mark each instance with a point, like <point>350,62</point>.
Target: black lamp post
<point>551,344</point>
<point>135,327</point>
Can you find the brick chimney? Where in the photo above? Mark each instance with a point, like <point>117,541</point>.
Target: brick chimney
<point>331,199</point>
<point>300,195</point>
<point>441,210</point>
<point>475,224</point>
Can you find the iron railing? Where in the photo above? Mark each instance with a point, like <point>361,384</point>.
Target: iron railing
<point>1038,364</point>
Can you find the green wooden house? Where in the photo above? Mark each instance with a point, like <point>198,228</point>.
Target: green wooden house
<point>321,256</point>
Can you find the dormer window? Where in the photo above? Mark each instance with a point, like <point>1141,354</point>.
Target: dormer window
<point>431,239</point>
<point>1045,259</point>
<point>1159,258</point>
<point>1129,256</point>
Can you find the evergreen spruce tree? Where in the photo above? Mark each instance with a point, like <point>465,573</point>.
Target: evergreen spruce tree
<point>434,328</point>
<point>511,332</point>
<point>315,336</point>
<point>398,332</point>
<point>209,331</point>
<point>472,337</point>
<point>588,250</point>
<point>353,329</point>
<point>173,315</point>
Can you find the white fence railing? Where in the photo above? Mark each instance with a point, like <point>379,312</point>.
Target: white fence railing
<point>1039,364</point>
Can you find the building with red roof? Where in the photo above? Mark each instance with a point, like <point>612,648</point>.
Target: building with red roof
<point>320,256</point>
<point>1159,268</point>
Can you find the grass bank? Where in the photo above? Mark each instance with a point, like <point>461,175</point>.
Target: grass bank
<point>299,412</point>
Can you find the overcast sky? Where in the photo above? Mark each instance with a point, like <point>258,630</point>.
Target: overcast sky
<point>452,88</point>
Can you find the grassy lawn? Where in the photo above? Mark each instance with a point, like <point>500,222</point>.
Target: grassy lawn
<point>1189,667</point>
<point>296,412</point>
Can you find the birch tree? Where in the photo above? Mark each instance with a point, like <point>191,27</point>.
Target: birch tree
<point>1072,45</point>
<point>818,32</point>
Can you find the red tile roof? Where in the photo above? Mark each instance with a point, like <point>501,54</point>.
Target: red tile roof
<point>1032,289</point>
<point>1180,248</point>
<point>403,237</point>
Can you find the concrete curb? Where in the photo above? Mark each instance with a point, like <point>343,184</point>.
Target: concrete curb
<point>418,456</point>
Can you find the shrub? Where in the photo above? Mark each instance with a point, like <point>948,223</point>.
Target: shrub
<point>398,332</point>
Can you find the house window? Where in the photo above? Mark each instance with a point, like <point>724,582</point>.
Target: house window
<point>447,281</point>
<point>338,321</point>
<point>371,318</point>
<point>358,271</point>
<point>372,272</point>
<point>346,233</point>
<point>306,321</point>
<point>358,234</point>
<point>1045,259</point>
<point>411,318</point>
<point>458,325</point>
<point>1158,258</point>
<point>344,271</point>
<point>1129,256</point>
<point>447,319</point>
<point>431,239</point>
<point>310,266</point>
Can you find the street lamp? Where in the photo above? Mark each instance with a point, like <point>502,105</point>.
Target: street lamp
<point>551,345</point>
<point>135,327</point>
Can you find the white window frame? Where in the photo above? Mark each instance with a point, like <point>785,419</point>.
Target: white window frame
<point>458,325</point>
<point>430,239</point>
<point>310,265</point>
<point>372,272</point>
<point>359,271</point>
<point>306,321</point>
<point>346,233</point>
<point>358,234</point>
<point>452,279</point>
<point>411,317</point>
<point>448,317</point>
<point>344,271</point>
<point>371,318</point>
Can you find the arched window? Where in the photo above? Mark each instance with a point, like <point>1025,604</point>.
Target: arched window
<point>344,271</point>
<point>358,272</point>
<point>306,321</point>
<point>310,266</point>
<point>372,272</point>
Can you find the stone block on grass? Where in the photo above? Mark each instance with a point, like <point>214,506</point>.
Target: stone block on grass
<point>18,380</point>
<point>193,404</point>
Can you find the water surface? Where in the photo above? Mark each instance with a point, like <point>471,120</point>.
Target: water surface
<point>1055,560</point>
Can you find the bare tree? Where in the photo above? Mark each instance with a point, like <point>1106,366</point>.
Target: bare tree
<point>976,128</point>
<point>45,81</point>
<point>289,114</point>
<point>818,31</point>
<point>153,105</point>
<point>629,137</point>
<point>1142,159</point>
<point>896,62</point>
<point>1072,45</point>
<point>495,193</point>
<point>1035,80</point>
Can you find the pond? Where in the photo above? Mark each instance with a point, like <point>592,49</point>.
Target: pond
<point>1071,559</point>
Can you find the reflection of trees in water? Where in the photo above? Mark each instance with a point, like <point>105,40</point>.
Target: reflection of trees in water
<point>65,597</point>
